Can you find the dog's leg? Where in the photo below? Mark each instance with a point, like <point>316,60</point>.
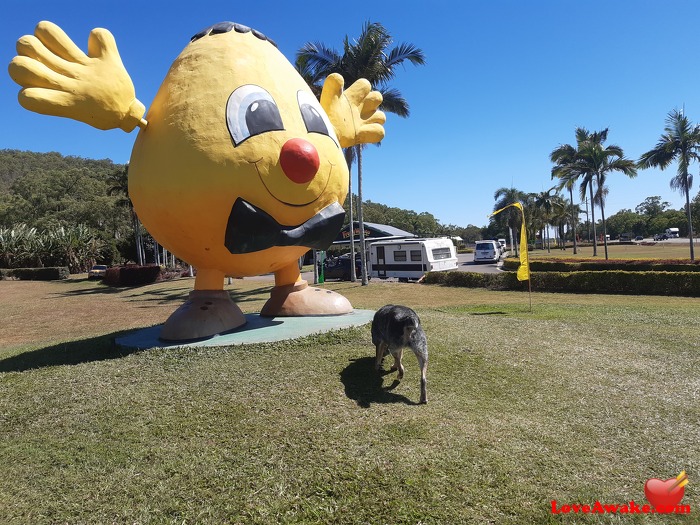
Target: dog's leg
<point>423,364</point>
<point>398,355</point>
<point>381,349</point>
<point>419,345</point>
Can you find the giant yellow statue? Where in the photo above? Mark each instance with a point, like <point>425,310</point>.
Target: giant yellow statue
<point>237,168</point>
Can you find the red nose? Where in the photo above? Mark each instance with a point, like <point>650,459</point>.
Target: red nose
<point>299,160</point>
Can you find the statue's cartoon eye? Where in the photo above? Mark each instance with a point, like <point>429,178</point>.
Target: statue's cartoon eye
<point>315,118</point>
<point>250,111</point>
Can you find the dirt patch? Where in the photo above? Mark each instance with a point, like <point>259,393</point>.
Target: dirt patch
<point>35,312</point>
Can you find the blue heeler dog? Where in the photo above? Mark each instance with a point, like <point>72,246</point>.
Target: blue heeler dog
<point>394,328</point>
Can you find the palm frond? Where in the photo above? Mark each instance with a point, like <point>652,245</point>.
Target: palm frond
<point>405,51</point>
<point>681,142</point>
<point>660,156</point>
<point>319,58</point>
<point>582,135</point>
<point>393,102</point>
<point>564,154</point>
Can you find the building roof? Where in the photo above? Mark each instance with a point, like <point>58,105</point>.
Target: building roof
<point>373,232</point>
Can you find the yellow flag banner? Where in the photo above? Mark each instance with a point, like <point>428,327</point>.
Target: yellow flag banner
<point>524,268</point>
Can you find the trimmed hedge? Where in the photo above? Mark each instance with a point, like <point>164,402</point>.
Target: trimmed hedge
<point>575,265</point>
<point>51,273</point>
<point>598,282</point>
<point>131,275</point>
<point>134,275</point>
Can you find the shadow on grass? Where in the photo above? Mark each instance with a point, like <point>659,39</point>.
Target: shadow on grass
<point>487,313</point>
<point>176,297</point>
<point>148,294</point>
<point>99,288</point>
<point>99,348</point>
<point>364,384</point>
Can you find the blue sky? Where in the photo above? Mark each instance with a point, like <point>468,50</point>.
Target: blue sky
<point>506,82</point>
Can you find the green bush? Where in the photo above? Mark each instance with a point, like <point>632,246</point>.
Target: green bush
<point>575,265</point>
<point>133,275</point>
<point>598,282</point>
<point>52,273</point>
<point>492,281</point>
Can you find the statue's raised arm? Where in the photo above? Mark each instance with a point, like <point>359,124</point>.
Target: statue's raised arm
<point>57,78</point>
<point>353,112</point>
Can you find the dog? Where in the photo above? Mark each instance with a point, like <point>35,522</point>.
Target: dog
<point>395,327</point>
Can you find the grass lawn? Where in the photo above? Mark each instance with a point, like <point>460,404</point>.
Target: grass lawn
<point>660,250</point>
<point>581,400</point>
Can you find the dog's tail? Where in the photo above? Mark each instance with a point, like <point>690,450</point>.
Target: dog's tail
<point>410,325</point>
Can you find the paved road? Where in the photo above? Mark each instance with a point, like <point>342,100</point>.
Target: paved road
<point>465,263</point>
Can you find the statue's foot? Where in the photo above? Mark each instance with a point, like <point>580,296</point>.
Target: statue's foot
<point>299,299</point>
<point>204,314</point>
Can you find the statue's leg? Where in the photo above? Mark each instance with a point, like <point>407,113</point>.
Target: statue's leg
<point>293,297</point>
<point>208,311</point>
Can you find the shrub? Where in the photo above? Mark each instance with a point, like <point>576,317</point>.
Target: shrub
<point>634,265</point>
<point>598,282</point>
<point>167,274</point>
<point>51,273</point>
<point>492,281</point>
<point>134,275</point>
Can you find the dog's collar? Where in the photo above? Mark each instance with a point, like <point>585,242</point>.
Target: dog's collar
<point>251,229</point>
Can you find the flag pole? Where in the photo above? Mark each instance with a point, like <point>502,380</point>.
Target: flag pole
<point>523,236</point>
<point>524,268</point>
<point>529,292</point>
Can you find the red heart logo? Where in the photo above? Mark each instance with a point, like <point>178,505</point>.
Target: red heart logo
<point>663,493</point>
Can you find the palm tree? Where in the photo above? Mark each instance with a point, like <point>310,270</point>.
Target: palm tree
<point>597,162</point>
<point>681,142</point>
<point>565,157</point>
<point>569,167</point>
<point>504,197</point>
<point>545,201</point>
<point>367,57</point>
<point>534,218</point>
<point>560,219</point>
<point>592,162</point>
<point>119,186</point>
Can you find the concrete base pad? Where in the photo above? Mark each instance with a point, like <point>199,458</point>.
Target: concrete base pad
<point>257,329</point>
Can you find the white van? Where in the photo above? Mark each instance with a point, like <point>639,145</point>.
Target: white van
<point>410,259</point>
<point>487,251</point>
<point>672,233</point>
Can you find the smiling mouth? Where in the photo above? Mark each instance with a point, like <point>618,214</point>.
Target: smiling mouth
<point>251,229</point>
<point>262,179</point>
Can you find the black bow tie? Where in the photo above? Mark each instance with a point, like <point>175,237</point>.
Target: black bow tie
<point>251,229</point>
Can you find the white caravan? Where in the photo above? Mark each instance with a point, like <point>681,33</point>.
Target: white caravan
<point>409,259</point>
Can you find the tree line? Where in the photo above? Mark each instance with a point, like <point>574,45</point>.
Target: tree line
<point>70,211</point>
<point>58,210</point>
<point>586,166</point>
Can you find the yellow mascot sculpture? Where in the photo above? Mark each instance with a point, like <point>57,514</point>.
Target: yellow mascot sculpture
<point>237,169</point>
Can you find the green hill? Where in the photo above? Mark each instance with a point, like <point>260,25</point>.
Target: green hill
<point>16,163</point>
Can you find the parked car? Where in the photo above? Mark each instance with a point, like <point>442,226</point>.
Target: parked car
<point>98,271</point>
<point>339,267</point>
<point>639,238</point>
<point>660,237</point>
<point>487,251</point>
